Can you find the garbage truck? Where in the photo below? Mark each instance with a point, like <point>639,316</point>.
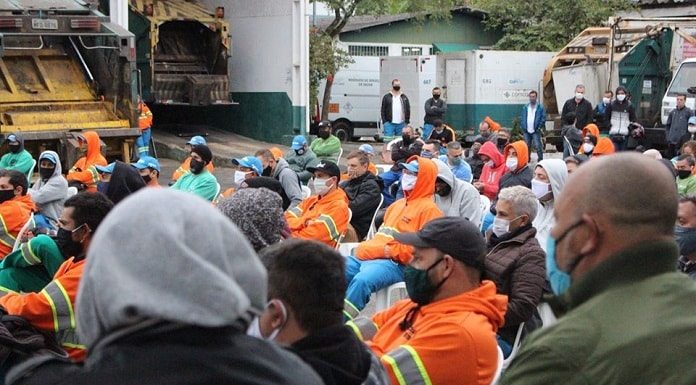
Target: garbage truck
<point>65,69</point>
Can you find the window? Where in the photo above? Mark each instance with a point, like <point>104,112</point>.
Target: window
<point>368,50</point>
<point>411,51</point>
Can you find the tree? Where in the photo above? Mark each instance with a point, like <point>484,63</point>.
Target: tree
<point>325,59</point>
<point>542,25</point>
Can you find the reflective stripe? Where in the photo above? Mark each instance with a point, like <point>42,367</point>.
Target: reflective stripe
<point>363,327</point>
<point>68,338</point>
<point>95,174</point>
<point>295,211</point>
<point>330,226</point>
<point>407,366</point>
<point>6,238</point>
<point>350,310</point>
<point>388,231</point>
<point>28,254</point>
<point>58,299</point>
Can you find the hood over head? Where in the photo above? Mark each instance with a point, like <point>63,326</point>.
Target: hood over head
<point>590,129</point>
<point>604,147</point>
<point>195,268</point>
<point>265,181</point>
<point>53,157</point>
<point>557,171</point>
<point>258,212</point>
<point>444,172</point>
<point>125,180</point>
<point>425,182</point>
<point>522,153</point>
<point>18,138</point>
<point>490,150</point>
<point>93,147</point>
<point>492,124</point>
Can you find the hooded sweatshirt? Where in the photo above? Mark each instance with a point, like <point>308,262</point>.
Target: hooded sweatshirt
<point>14,214</point>
<point>407,214</point>
<point>290,181</point>
<point>124,181</point>
<point>320,218</point>
<point>453,339</point>
<point>50,194</point>
<point>522,175</point>
<point>490,176</point>
<point>463,200</point>
<point>258,213</point>
<point>84,170</point>
<point>21,161</point>
<point>604,147</point>
<point>590,129</point>
<point>557,172</point>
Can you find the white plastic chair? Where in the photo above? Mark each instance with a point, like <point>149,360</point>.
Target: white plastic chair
<point>499,368</point>
<point>306,192</point>
<point>340,154</point>
<point>23,231</point>
<point>340,238</point>
<point>346,249</point>
<point>382,168</point>
<point>71,192</point>
<point>218,188</point>
<point>485,207</point>
<point>372,231</point>
<point>384,296</point>
<point>515,347</point>
<point>31,171</point>
<point>546,314</point>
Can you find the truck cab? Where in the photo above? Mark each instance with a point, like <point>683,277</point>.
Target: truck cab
<point>684,78</point>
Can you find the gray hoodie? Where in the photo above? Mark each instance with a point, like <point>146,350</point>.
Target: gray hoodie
<point>49,195</point>
<point>194,268</point>
<point>289,180</point>
<point>558,175</point>
<point>463,201</point>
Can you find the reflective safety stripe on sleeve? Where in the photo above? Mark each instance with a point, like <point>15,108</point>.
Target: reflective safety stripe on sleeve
<point>5,237</point>
<point>68,338</point>
<point>349,310</point>
<point>295,211</point>
<point>28,254</point>
<point>95,175</point>
<point>330,226</point>
<point>388,231</point>
<point>407,366</point>
<point>363,327</point>
<point>58,299</point>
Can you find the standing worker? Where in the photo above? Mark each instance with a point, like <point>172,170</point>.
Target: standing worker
<point>532,122</point>
<point>581,106</point>
<point>144,124</point>
<point>677,125</point>
<point>395,114</point>
<point>435,109</point>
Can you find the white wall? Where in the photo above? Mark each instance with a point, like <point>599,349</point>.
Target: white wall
<point>119,12</point>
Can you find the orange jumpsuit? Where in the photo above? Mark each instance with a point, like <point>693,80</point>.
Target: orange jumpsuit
<point>323,219</point>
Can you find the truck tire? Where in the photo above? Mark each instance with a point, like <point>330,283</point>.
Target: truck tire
<point>343,131</point>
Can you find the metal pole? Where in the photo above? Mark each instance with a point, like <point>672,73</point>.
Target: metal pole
<point>314,13</point>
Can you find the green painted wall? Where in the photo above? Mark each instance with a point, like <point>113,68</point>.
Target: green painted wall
<point>468,116</point>
<point>461,28</point>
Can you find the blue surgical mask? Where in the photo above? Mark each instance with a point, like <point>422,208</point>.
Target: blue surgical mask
<point>560,280</point>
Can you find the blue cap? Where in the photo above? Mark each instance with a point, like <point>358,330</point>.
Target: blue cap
<point>147,162</point>
<point>197,141</point>
<point>367,149</point>
<point>109,169</point>
<point>692,120</point>
<point>411,166</point>
<point>49,157</point>
<point>251,162</point>
<point>298,142</point>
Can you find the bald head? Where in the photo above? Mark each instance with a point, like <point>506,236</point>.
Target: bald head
<point>629,190</point>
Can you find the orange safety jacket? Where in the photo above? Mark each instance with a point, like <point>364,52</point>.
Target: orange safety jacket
<point>408,214</point>
<point>145,117</point>
<point>451,341</point>
<point>323,219</point>
<point>186,167</point>
<point>85,170</point>
<point>14,214</point>
<point>53,308</point>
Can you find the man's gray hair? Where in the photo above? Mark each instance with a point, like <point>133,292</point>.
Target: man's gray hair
<point>454,146</point>
<point>580,86</point>
<point>522,199</point>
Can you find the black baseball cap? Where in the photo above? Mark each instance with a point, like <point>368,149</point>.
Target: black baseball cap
<point>327,167</point>
<point>455,236</point>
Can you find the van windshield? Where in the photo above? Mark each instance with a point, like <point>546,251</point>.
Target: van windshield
<point>683,79</point>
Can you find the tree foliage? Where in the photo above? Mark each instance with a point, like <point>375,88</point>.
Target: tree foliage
<point>325,59</point>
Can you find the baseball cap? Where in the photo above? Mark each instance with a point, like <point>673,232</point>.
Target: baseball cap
<point>197,140</point>
<point>12,138</point>
<point>367,149</point>
<point>251,162</point>
<point>147,162</point>
<point>48,156</point>
<point>327,167</point>
<point>298,142</point>
<point>455,236</point>
<point>692,120</point>
<point>411,166</point>
<point>324,123</point>
<point>108,169</point>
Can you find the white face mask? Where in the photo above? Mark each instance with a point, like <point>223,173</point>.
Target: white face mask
<point>254,329</point>
<point>240,176</point>
<point>620,97</point>
<point>500,226</point>
<point>490,164</point>
<point>587,147</point>
<point>579,95</point>
<point>408,182</point>
<point>511,163</point>
<point>692,129</point>
<point>540,189</point>
<point>606,100</point>
<point>320,186</point>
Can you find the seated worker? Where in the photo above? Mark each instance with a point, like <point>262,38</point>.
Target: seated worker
<point>306,287</point>
<point>50,191</point>
<point>326,146</point>
<point>400,150</point>
<point>493,169</point>
<point>474,159</point>
<point>456,198</point>
<point>573,162</point>
<point>322,217</point>
<point>504,135</point>
<point>516,157</point>
<point>258,213</point>
<point>686,180</point>
<point>31,267</point>
<point>364,190</point>
<point>83,174</point>
<point>441,133</point>
<point>278,169</point>
<point>18,158</point>
<point>141,326</point>
<point>516,262</point>
<point>15,208</point>
<point>149,169</point>
<point>186,164</point>
<point>124,181</point>
<point>104,173</point>
<point>604,147</point>
<point>248,167</point>
<point>488,130</point>
<point>445,332</point>
<point>51,309</point>
<point>300,157</point>
<point>368,150</point>
<point>455,160</point>
<point>431,149</point>
<point>379,262</point>
<point>199,181</point>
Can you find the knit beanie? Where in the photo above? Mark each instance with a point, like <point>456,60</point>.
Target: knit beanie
<point>204,152</point>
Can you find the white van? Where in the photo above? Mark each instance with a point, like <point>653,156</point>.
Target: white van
<point>683,79</point>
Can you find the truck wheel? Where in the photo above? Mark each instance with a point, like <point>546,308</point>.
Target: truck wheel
<point>343,131</point>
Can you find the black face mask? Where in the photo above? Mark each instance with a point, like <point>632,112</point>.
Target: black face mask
<point>443,190</point>
<point>406,139</point>
<point>683,174</point>
<point>67,246</point>
<point>147,178</point>
<point>502,142</point>
<point>436,97</point>
<point>196,166</point>
<point>45,172</point>
<point>14,148</point>
<point>323,134</point>
<point>6,195</point>
<point>300,152</point>
<point>267,171</point>
<point>396,88</point>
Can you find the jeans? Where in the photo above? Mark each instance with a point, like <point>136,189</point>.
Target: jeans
<point>504,346</point>
<point>620,145</point>
<point>389,178</point>
<point>367,277</point>
<point>534,139</point>
<point>142,144</point>
<point>391,130</point>
<point>427,130</point>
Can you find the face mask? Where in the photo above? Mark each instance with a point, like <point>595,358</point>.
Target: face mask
<point>686,239</point>
<point>426,154</point>
<point>439,129</point>
<point>323,134</point>
<point>692,129</point>
<point>587,147</point>
<point>102,187</point>
<point>45,173</point>
<point>418,285</point>
<point>502,142</point>
<point>320,186</point>
<point>196,166</point>
<point>532,101</point>
<point>406,139</point>
<point>500,227</point>
<point>490,164</point>
<point>300,152</point>
<point>683,174</point>
<point>240,176</point>
<point>14,148</point>
<point>436,97</point>
<point>6,195</point>
<point>486,134</point>
<point>444,190</point>
<point>456,161</point>
<point>560,280</point>
<point>579,96</point>
<point>267,171</point>
<point>620,97</point>
<point>606,100</point>
<point>67,246</point>
<point>254,329</point>
<point>511,163</point>
<point>408,182</point>
<point>396,87</point>
<point>147,178</point>
<point>539,188</point>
